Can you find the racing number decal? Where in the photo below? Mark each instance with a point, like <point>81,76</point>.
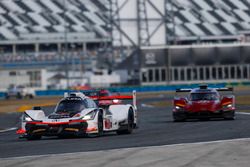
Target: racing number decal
<point>108,122</point>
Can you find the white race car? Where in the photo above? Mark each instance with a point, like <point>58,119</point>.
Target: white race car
<point>20,92</point>
<point>79,115</point>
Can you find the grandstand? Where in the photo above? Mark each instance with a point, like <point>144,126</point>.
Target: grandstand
<point>199,22</point>
<point>210,19</point>
<point>34,32</point>
<point>37,21</point>
<point>183,21</point>
<point>44,21</point>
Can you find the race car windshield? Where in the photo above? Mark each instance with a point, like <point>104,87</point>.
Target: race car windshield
<point>70,107</point>
<point>203,96</point>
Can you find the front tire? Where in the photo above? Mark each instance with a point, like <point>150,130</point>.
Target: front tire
<point>30,96</point>
<point>179,120</point>
<point>7,97</point>
<point>19,96</point>
<point>100,124</point>
<point>230,116</point>
<point>179,117</point>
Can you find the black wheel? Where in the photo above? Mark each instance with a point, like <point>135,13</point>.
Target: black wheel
<point>178,118</point>
<point>61,136</point>
<point>7,97</point>
<point>230,116</point>
<point>204,119</point>
<point>100,124</point>
<point>19,96</point>
<point>31,96</point>
<point>130,124</point>
<point>100,127</point>
<point>33,137</point>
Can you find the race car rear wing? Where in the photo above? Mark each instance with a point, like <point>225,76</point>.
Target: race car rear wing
<point>218,89</point>
<point>91,93</point>
<point>225,89</point>
<point>117,97</point>
<point>183,90</point>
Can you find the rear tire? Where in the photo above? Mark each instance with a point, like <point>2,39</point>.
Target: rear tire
<point>130,124</point>
<point>34,137</point>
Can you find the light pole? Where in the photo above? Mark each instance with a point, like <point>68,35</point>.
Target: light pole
<point>66,42</point>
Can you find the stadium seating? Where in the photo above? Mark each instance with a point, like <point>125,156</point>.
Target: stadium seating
<point>192,17</point>
<point>47,59</point>
<point>23,17</point>
<point>210,17</point>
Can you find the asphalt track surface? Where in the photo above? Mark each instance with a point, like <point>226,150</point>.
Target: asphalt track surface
<point>156,128</point>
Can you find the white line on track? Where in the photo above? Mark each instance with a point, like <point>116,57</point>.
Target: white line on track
<point>171,145</point>
<point>243,113</point>
<point>146,105</point>
<point>9,129</point>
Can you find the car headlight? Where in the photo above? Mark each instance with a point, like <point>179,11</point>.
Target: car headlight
<point>228,106</point>
<point>177,107</point>
<point>90,115</point>
<point>27,118</point>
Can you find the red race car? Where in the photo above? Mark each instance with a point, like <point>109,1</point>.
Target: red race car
<point>204,103</point>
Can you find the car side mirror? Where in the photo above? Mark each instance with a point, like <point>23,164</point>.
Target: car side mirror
<point>185,99</point>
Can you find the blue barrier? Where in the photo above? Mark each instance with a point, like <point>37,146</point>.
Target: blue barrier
<point>161,88</point>
<point>137,88</point>
<point>130,89</point>
<point>2,94</point>
<point>51,92</point>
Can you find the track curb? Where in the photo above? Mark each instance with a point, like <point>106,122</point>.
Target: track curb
<point>8,129</point>
<point>29,107</point>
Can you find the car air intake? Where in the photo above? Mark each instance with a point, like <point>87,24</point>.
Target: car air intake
<point>55,116</point>
<point>72,95</point>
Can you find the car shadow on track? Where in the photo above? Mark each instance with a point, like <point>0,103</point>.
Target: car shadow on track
<point>109,134</point>
<point>202,120</point>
